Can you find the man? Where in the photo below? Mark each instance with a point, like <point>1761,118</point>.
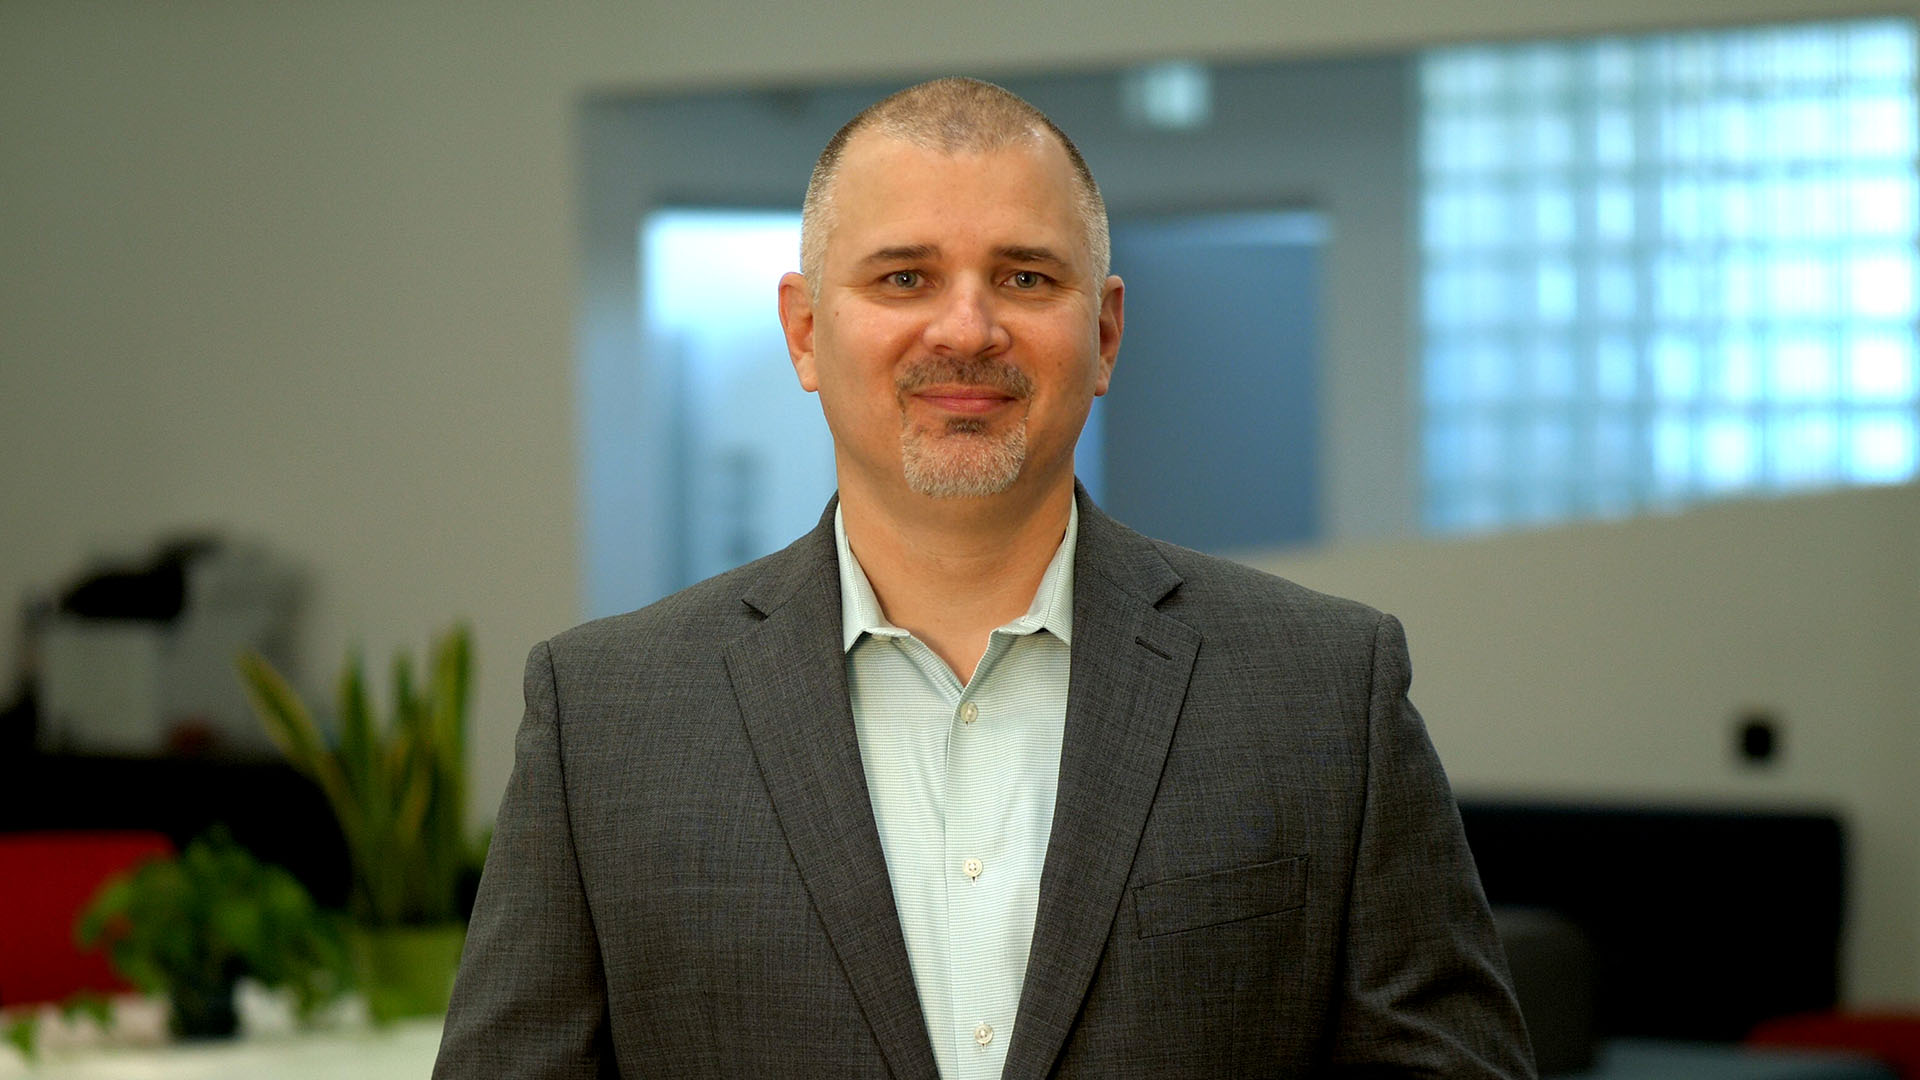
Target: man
<point>972,781</point>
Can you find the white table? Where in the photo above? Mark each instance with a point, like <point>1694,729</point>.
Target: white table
<point>404,1051</point>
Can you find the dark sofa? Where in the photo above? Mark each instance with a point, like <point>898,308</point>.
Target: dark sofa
<point>1647,941</point>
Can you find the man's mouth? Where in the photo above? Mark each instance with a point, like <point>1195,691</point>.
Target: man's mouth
<point>972,387</point>
<point>967,400</point>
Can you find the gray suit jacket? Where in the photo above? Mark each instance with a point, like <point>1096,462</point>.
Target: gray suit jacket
<point>1255,869</point>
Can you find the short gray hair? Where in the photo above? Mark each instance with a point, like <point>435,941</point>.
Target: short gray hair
<point>951,115</point>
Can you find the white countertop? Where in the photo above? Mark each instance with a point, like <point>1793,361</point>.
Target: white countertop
<point>404,1051</point>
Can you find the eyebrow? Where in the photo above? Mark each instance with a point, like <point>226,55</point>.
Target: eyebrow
<point>1030,255</point>
<point>902,253</point>
<point>920,252</point>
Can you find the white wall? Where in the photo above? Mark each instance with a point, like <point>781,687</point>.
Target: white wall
<point>308,271</point>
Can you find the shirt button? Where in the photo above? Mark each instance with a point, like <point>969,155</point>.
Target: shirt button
<point>983,1033</point>
<point>971,868</point>
<point>969,712</point>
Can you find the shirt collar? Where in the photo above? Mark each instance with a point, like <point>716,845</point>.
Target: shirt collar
<point>1051,610</point>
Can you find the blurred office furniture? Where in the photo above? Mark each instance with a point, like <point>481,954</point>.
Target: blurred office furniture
<point>1648,941</point>
<point>1655,1059</point>
<point>1890,1037</point>
<point>1551,961</point>
<point>404,1051</point>
<point>49,877</point>
<point>1703,922</point>
<point>1553,976</point>
<point>128,714</point>
<point>136,657</point>
<point>271,810</point>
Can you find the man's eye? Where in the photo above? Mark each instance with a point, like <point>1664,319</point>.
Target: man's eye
<point>904,279</point>
<point>1027,279</point>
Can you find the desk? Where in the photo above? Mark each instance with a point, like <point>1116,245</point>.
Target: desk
<point>1651,1059</point>
<point>404,1051</point>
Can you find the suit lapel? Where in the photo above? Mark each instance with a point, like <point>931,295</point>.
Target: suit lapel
<point>1129,677</point>
<point>789,676</point>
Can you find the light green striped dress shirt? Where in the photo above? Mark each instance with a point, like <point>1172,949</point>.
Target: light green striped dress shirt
<point>962,780</point>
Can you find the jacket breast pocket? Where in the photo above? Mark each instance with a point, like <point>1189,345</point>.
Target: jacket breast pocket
<point>1223,896</point>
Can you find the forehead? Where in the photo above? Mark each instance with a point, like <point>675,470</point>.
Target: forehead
<point>891,191</point>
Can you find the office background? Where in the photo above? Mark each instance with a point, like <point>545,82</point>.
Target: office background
<point>314,274</point>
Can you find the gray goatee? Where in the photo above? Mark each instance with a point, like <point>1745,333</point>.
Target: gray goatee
<point>962,457</point>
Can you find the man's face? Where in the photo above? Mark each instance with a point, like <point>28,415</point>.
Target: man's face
<point>960,330</point>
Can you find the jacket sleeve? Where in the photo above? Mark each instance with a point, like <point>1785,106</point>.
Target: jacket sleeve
<point>1424,983</point>
<point>530,1000</point>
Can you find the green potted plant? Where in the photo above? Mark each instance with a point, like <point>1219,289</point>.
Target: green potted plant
<point>190,927</point>
<point>399,790</point>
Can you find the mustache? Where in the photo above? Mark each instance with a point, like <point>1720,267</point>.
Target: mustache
<point>984,371</point>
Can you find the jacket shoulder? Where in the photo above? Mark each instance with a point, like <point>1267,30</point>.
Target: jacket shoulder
<point>1217,595</point>
<point>700,617</point>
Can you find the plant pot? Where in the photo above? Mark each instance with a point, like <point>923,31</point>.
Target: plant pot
<point>406,971</point>
<point>202,1012</point>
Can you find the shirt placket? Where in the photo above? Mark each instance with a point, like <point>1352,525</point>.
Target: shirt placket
<point>974,874</point>
<point>916,852</point>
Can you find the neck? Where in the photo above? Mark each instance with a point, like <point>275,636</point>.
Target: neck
<point>951,570</point>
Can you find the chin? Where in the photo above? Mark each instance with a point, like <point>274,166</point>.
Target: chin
<point>961,466</point>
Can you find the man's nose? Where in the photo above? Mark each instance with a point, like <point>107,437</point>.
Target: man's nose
<point>966,322</point>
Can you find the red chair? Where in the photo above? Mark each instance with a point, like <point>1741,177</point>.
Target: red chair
<point>45,879</point>
<point>1892,1038</point>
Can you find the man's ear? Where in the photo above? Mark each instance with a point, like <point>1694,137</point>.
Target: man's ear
<point>1113,319</point>
<point>796,320</point>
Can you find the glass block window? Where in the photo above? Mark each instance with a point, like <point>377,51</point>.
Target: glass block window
<point>1664,269</point>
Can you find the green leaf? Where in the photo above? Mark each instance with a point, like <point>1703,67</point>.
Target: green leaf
<point>406,703</point>
<point>281,711</point>
<point>114,900</point>
<point>452,683</point>
<point>94,1006</point>
<point>359,739</point>
<point>195,922</point>
<point>292,728</point>
<point>399,787</point>
<point>446,821</point>
<point>416,769</point>
<point>23,1034</point>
